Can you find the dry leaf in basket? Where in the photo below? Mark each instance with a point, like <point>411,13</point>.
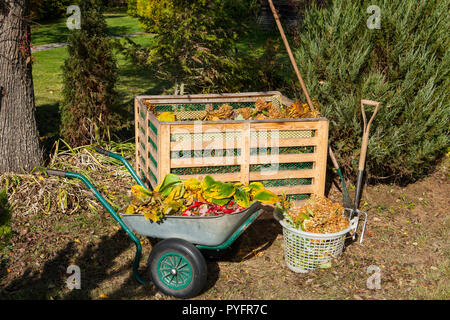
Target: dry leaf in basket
<point>319,215</point>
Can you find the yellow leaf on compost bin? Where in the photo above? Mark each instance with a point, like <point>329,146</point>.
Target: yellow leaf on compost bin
<point>166,116</point>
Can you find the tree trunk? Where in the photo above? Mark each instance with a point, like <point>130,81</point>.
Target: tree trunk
<point>19,137</point>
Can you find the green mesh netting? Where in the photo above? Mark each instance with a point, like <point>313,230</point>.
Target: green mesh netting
<point>206,170</point>
<point>281,150</point>
<point>298,197</point>
<point>219,137</point>
<point>205,153</point>
<point>267,135</point>
<point>186,107</point>
<point>281,166</point>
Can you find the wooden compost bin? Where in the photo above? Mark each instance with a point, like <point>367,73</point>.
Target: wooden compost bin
<point>284,154</point>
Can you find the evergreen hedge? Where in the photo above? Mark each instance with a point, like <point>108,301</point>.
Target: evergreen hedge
<point>89,77</point>
<point>404,65</point>
<point>196,42</point>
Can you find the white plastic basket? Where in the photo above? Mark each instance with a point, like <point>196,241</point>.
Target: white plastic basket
<point>305,251</point>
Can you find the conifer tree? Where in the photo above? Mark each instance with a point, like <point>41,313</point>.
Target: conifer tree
<point>404,64</point>
<point>89,74</point>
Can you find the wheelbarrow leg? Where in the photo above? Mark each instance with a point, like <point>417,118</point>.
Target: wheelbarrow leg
<point>112,212</point>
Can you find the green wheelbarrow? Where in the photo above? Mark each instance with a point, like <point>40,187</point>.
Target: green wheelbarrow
<point>176,265</point>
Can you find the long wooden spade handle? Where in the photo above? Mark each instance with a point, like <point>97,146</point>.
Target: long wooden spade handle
<point>364,143</point>
<point>291,56</point>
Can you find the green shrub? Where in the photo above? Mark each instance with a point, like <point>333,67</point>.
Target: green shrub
<point>195,42</point>
<point>404,65</point>
<point>89,77</point>
<point>5,219</point>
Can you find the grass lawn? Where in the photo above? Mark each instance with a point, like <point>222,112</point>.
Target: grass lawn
<point>56,31</point>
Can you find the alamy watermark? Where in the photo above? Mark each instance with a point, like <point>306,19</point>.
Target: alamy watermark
<point>374,281</point>
<point>374,20</point>
<point>74,21</point>
<point>74,280</point>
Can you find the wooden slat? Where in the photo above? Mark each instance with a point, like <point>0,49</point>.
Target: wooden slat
<point>228,161</point>
<point>245,153</point>
<point>205,145</point>
<point>152,167</point>
<point>152,150</point>
<point>321,163</point>
<point>147,145</point>
<point>150,178</point>
<point>199,127</point>
<point>283,158</point>
<point>293,189</point>
<point>141,139</point>
<point>282,174</point>
<point>204,162</point>
<point>151,134</point>
<point>296,142</point>
<point>197,114</point>
<point>151,181</point>
<point>153,119</point>
<point>164,163</point>
<point>286,125</point>
<point>236,144</point>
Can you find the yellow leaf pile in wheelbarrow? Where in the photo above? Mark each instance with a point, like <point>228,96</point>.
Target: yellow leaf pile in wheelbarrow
<point>174,196</point>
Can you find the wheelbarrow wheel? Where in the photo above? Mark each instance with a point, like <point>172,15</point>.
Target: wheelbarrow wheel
<point>177,268</point>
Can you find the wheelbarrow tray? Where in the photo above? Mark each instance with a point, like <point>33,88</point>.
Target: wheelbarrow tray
<point>206,231</point>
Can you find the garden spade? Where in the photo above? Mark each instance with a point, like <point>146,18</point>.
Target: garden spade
<point>364,143</point>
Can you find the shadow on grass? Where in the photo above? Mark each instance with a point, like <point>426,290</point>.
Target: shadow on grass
<point>53,31</point>
<point>95,264</point>
<point>44,285</point>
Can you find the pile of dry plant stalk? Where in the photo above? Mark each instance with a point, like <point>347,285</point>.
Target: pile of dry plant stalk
<point>35,193</point>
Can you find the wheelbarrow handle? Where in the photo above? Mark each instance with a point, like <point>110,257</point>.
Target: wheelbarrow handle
<point>54,172</point>
<point>103,151</point>
<point>125,162</point>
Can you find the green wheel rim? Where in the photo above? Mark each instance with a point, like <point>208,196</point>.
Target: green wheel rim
<point>174,270</point>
